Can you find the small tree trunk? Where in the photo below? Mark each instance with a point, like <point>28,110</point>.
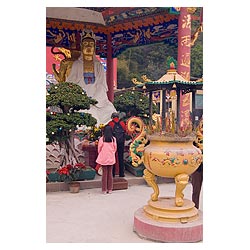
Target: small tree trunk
<point>72,153</point>
<point>63,153</point>
<point>68,151</point>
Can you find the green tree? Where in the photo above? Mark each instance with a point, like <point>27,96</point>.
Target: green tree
<point>134,103</point>
<point>147,60</point>
<point>196,64</point>
<point>66,99</point>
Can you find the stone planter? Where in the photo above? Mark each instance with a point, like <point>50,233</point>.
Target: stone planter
<point>87,174</point>
<point>53,177</point>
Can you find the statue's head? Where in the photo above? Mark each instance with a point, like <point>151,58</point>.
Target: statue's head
<point>88,42</point>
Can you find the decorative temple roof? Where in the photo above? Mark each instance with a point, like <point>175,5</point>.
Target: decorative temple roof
<point>127,26</point>
<point>75,14</point>
<point>171,80</point>
<point>115,15</point>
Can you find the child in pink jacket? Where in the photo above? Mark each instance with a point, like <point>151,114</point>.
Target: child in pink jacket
<point>106,158</point>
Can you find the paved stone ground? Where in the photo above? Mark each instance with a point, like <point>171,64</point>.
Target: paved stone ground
<point>92,217</point>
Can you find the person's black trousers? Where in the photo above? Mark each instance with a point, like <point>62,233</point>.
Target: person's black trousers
<point>120,152</point>
<point>196,180</point>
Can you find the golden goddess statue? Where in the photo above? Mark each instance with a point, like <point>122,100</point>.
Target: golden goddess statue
<point>89,73</point>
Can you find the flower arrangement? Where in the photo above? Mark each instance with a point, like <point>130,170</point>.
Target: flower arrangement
<point>91,133</point>
<point>70,173</point>
<point>96,132</point>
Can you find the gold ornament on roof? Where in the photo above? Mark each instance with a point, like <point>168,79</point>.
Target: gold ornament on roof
<point>145,78</point>
<point>200,80</point>
<point>135,81</point>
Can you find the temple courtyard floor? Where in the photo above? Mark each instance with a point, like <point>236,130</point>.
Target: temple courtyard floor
<point>92,217</point>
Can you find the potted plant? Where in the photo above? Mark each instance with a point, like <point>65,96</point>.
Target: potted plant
<point>65,102</point>
<point>70,174</point>
<point>52,176</point>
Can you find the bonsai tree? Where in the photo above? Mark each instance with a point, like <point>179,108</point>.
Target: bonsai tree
<point>63,102</point>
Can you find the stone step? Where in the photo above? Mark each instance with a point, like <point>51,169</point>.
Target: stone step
<point>119,183</point>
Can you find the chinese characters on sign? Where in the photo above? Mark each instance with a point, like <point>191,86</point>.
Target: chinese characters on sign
<point>184,46</point>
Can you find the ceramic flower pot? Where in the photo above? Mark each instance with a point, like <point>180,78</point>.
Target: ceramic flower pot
<point>74,187</point>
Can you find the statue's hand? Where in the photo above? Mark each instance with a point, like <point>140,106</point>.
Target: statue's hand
<point>64,64</point>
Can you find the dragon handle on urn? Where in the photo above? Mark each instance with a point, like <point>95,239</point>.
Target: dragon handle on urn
<point>136,129</point>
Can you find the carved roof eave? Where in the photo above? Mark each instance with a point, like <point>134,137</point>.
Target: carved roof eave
<point>126,25</point>
<point>186,87</point>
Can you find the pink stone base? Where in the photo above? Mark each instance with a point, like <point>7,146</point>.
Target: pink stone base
<point>151,229</point>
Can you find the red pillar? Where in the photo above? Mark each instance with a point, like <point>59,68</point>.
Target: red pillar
<point>110,75</point>
<point>184,51</point>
